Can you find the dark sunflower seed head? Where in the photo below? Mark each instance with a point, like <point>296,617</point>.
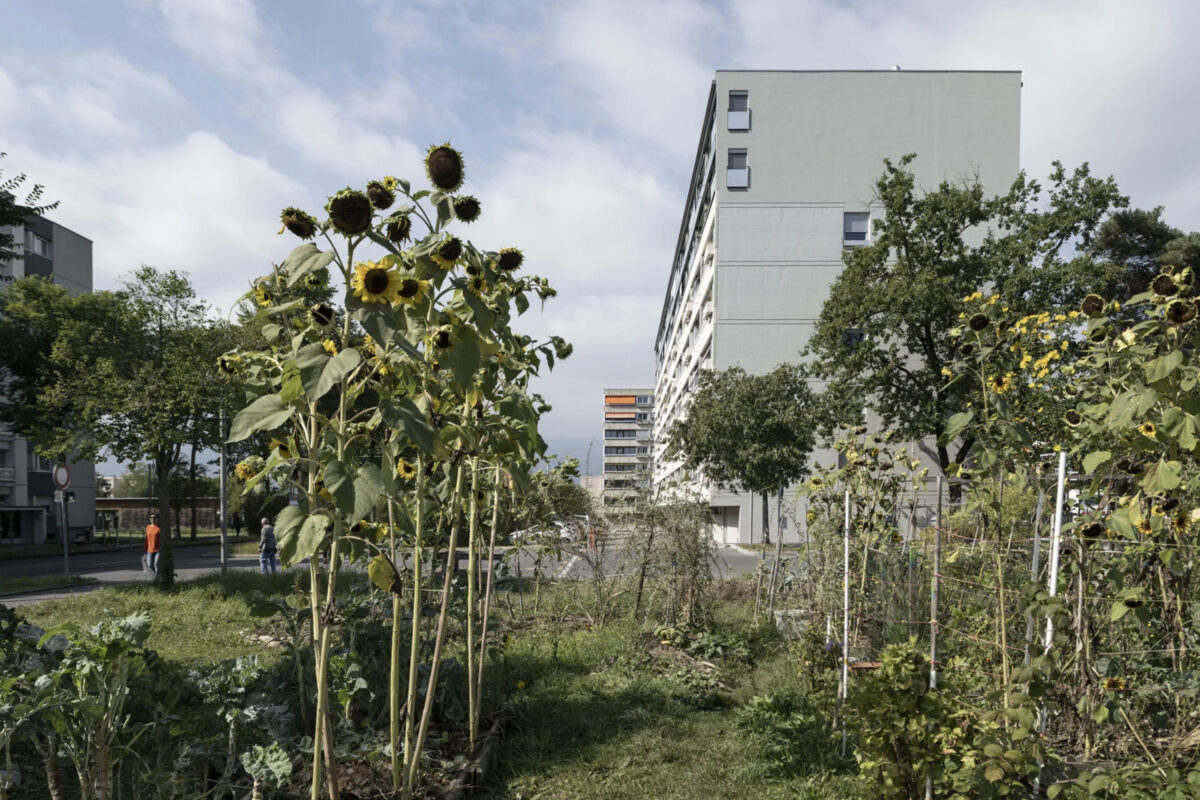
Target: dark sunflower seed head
<point>350,211</point>
<point>1092,305</point>
<point>444,166</point>
<point>299,222</point>
<point>467,208</point>
<point>381,197</point>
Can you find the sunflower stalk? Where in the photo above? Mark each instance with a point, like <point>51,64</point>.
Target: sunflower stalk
<point>394,666</point>
<point>414,653</point>
<point>487,595</point>
<point>472,530</point>
<point>440,637</point>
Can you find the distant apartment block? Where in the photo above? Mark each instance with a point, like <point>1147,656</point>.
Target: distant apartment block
<point>628,424</point>
<point>28,513</point>
<point>782,185</point>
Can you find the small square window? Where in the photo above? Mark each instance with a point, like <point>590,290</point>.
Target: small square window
<point>739,101</point>
<point>739,111</point>
<point>856,227</point>
<point>737,159</point>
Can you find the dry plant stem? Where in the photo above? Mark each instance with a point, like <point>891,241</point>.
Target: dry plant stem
<point>1003,622</point>
<point>775,574</point>
<point>637,600</point>
<point>394,666</point>
<point>439,640</point>
<point>414,653</point>
<point>324,724</point>
<point>472,530</point>
<point>487,595</point>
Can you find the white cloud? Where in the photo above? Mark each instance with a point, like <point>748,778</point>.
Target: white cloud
<point>643,63</point>
<point>224,34</point>
<point>196,205</point>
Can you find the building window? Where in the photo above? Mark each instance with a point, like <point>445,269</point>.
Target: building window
<point>737,169</point>
<point>620,467</point>
<point>610,433</point>
<point>644,399</point>
<point>739,110</point>
<point>643,415</point>
<point>40,464</point>
<point>856,226</point>
<point>39,245</point>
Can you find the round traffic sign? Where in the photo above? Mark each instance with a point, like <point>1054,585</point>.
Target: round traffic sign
<point>62,476</point>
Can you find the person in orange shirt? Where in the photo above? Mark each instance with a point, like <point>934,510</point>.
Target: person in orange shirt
<point>153,543</point>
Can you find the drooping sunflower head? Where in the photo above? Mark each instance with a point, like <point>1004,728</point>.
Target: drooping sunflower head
<point>298,222</point>
<point>321,314</point>
<point>279,446</point>
<point>1180,311</point>
<point>405,470</point>
<point>1148,429</point>
<point>411,290</point>
<point>399,228</point>
<point>1073,418</point>
<point>444,166</point>
<point>350,211</point>
<point>510,259</point>
<point>1164,285</point>
<point>329,346</point>
<point>1001,383</point>
<point>380,195</point>
<point>263,295</point>
<point>375,282</point>
<point>1184,278</point>
<point>244,471</point>
<point>467,208</point>
<point>562,348</point>
<point>477,286</point>
<point>441,337</point>
<point>228,364</point>
<point>448,252</point>
<point>979,321</point>
<point>1092,305</point>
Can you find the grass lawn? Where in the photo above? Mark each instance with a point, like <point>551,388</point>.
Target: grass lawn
<point>608,713</point>
<point>207,619</point>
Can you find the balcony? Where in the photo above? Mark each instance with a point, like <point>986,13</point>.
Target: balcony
<point>8,475</point>
<point>739,120</point>
<point>737,178</point>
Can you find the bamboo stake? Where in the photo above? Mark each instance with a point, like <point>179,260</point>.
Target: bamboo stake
<point>487,595</point>
<point>472,530</point>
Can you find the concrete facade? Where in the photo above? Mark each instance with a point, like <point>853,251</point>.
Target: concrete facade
<point>28,512</point>
<point>783,182</point>
<point>628,429</point>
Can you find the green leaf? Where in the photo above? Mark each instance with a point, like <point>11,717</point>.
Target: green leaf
<point>1162,477</point>
<point>334,370</point>
<point>304,260</point>
<point>993,750</point>
<point>287,526</point>
<point>368,488</point>
<point>1100,713</point>
<point>1119,610</point>
<point>1161,367</point>
<point>403,413</point>
<point>993,773</point>
<point>270,765</point>
<point>381,573</point>
<point>340,484</point>
<point>955,426</point>
<point>1095,459</point>
<point>264,414</point>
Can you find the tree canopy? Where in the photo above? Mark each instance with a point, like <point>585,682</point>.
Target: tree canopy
<point>14,212</point>
<point>751,433</point>
<point>884,337</point>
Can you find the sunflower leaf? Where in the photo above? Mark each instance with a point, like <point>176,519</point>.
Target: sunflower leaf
<point>403,413</point>
<point>1095,459</point>
<point>381,573</point>
<point>334,370</point>
<point>368,487</point>
<point>266,413</point>
<point>303,261</point>
<point>340,484</point>
<point>311,360</point>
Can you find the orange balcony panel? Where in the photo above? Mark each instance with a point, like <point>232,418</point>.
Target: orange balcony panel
<point>620,415</point>
<point>620,400</point>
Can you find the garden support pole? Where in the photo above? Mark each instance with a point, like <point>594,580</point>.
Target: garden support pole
<point>778,557</point>
<point>1055,534</point>
<point>845,620</point>
<point>1037,552</point>
<point>224,490</point>
<point>933,612</point>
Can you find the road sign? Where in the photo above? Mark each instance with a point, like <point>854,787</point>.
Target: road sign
<point>58,495</point>
<point>62,476</point>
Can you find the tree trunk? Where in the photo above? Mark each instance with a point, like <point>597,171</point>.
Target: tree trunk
<point>166,557</point>
<point>766,539</point>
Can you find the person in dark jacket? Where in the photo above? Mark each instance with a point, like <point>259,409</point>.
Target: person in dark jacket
<point>266,547</point>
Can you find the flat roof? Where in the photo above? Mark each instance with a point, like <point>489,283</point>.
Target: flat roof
<point>947,71</point>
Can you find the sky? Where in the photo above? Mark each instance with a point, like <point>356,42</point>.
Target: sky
<point>173,131</point>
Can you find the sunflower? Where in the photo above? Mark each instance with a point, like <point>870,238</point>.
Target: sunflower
<point>244,471</point>
<point>1001,383</point>
<point>1143,525</point>
<point>467,208</point>
<point>979,321</point>
<point>375,282</point>
<point>349,211</point>
<point>1092,305</point>
<point>280,446</point>
<point>947,373</point>
<point>1180,311</point>
<point>228,364</point>
<point>405,470</point>
<point>477,286</point>
<point>1129,465</point>
<point>1164,285</point>
<point>1073,418</point>
<point>441,338</point>
<point>399,228</point>
<point>321,314</point>
<point>298,222</point>
<point>380,195</point>
<point>444,166</point>
<point>1115,684</point>
<point>411,291</point>
<point>1147,429</point>
<point>262,295</point>
<point>510,259</point>
<point>322,492</point>
<point>330,347</point>
<point>448,252</point>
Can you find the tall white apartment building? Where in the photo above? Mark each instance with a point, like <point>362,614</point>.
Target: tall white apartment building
<point>628,428</point>
<point>783,182</point>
